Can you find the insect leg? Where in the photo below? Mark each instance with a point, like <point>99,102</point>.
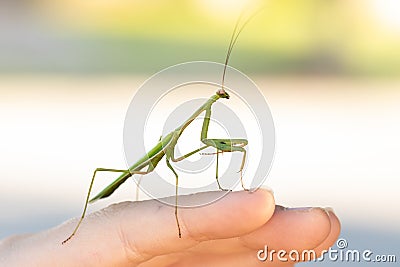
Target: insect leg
<point>127,172</point>
<point>87,198</point>
<point>216,174</point>
<point>188,154</point>
<point>224,145</point>
<point>176,197</point>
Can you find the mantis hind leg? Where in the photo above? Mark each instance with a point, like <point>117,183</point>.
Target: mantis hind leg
<point>87,198</point>
<point>88,195</point>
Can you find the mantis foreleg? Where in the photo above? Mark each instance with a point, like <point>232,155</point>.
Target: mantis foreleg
<point>223,145</point>
<point>188,154</point>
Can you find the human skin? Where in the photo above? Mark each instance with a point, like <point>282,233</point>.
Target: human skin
<point>228,232</point>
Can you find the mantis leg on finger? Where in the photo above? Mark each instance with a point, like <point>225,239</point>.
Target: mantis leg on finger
<point>176,197</point>
<point>87,198</point>
<point>125,172</point>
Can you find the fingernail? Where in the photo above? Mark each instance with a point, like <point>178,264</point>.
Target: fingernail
<point>302,209</point>
<point>265,187</point>
<point>328,210</point>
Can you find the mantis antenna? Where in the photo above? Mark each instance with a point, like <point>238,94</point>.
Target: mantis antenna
<point>234,38</point>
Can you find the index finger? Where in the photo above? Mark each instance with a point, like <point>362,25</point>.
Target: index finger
<point>133,232</point>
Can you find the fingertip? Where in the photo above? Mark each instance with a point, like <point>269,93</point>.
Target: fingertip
<point>312,226</point>
<point>264,203</point>
<point>335,222</point>
<point>336,228</point>
<point>299,228</point>
<point>333,234</point>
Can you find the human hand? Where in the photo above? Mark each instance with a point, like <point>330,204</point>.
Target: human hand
<point>228,232</point>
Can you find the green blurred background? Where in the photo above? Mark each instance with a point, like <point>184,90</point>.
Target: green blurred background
<point>358,37</point>
<point>329,70</point>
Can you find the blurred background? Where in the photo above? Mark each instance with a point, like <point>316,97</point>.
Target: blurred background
<point>330,71</point>
<point>358,37</point>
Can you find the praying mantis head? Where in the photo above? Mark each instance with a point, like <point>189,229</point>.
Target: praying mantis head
<point>222,93</point>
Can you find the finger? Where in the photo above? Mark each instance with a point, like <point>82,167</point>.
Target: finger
<point>234,215</point>
<point>291,229</point>
<point>333,235</point>
<point>288,229</point>
<point>232,252</point>
<point>136,232</point>
<point>328,242</point>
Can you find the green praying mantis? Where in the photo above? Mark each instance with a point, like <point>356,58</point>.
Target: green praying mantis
<point>166,146</point>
